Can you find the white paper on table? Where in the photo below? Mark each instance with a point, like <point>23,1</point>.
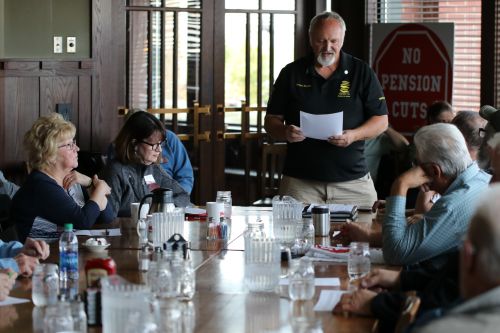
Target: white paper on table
<point>13,300</point>
<point>321,126</point>
<point>318,282</point>
<point>99,232</point>
<point>328,299</point>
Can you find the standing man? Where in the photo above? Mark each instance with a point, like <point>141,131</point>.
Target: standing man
<point>332,81</point>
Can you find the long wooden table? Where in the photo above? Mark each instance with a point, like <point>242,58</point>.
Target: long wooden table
<point>221,302</point>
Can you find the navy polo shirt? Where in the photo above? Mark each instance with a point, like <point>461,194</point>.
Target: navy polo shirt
<point>353,88</point>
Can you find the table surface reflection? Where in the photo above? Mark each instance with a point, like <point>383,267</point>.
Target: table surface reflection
<point>221,302</point>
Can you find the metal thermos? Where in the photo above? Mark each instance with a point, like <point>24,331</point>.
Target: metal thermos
<point>321,220</point>
<point>161,200</point>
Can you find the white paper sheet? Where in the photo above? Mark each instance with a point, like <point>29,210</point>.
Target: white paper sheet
<point>13,300</point>
<point>99,232</point>
<point>328,299</point>
<point>318,282</point>
<point>321,126</point>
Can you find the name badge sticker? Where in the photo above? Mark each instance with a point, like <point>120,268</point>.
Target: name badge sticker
<point>149,179</point>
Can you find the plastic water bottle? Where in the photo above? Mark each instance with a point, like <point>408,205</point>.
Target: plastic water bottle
<point>68,262</point>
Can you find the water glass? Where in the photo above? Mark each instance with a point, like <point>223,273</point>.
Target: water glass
<point>167,314</point>
<point>188,317</point>
<point>358,262</point>
<point>45,284</point>
<point>161,280</point>
<point>120,300</point>
<point>186,279</point>
<point>38,315</point>
<point>58,318</point>
<point>303,318</point>
<point>301,280</point>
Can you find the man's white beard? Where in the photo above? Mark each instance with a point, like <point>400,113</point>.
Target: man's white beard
<point>326,61</point>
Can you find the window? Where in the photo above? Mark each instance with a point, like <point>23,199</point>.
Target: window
<point>259,42</point>
<point>467,49</point>
<point>163,53</point>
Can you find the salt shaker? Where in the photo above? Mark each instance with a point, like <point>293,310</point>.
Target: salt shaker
<point>144,259</point>
<point>225,197</point>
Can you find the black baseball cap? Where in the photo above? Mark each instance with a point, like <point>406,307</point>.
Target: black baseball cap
<point>492,115</point>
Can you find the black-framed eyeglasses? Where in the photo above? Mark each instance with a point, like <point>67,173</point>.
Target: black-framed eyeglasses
<point>154,146</point>
<point>482,132</point>
<point>71,145</point>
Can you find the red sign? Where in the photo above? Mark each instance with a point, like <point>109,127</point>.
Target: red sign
<point>415,70</point>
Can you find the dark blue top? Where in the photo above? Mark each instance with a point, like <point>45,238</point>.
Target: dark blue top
<point>41,196</point>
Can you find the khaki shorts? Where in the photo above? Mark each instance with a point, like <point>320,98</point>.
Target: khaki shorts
<point>359,192</point>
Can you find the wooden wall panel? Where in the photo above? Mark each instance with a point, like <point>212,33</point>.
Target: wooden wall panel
<point>19,107</point>
<point>94,87</point>
<point>29,89</point>
<point>59,89</point>
<point>85,112</point>
<point>108,83</point>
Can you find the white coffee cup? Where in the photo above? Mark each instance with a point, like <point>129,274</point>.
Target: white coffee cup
<point>134,213</point>
<point>215,210</point>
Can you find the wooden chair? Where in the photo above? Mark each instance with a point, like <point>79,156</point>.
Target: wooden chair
<point>249,136</point>
<point>408,313</point>
<point>273,160</point>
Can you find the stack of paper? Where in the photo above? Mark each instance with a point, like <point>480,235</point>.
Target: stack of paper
<point>338,212</point>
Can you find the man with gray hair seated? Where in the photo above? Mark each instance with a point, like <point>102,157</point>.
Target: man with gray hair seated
<point>442,164</point>
<point>479,274</point>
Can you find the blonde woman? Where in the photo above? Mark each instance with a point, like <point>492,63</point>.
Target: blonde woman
<point>54,193</point>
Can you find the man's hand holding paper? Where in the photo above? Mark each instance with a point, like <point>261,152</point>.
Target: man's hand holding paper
<point>294,134</point>
<point>343,140</point>
<point>321,126</point>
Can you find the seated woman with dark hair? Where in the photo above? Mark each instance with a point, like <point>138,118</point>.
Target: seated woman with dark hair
<point>53,194</point>
<point>135,169</point>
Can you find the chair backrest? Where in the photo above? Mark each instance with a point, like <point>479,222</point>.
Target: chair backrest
<point>90,163</point>
<point>273,160</point>
<point>409,312</point>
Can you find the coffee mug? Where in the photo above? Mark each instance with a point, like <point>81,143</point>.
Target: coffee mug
<point>215,210</point>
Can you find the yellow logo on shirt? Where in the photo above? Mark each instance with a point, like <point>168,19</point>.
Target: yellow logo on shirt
<point>303,85</point>
<point>344,89</point>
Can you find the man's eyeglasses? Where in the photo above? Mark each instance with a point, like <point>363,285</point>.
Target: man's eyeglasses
<point>71,145</point>
<point>482,132</point>
<point>154,146</point>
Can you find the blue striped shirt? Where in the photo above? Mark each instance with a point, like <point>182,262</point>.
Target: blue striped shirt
<point>441,229</point>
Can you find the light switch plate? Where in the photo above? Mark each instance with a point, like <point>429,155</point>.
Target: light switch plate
<point>71,44</point>
<point>58,44</point>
